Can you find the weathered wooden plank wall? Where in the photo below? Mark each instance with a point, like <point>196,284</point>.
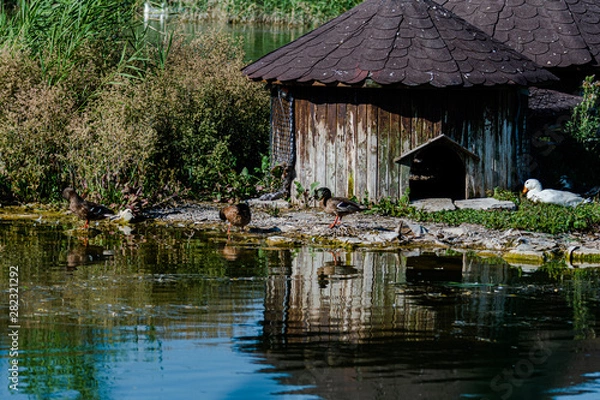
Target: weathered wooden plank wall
<point>347,139</point>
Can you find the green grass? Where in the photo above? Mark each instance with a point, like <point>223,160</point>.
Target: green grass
<point>534,217</point>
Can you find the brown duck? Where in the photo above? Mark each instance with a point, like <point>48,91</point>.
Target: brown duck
<point>236,215</point>
<point>85,210</point>
<point>339,206</point>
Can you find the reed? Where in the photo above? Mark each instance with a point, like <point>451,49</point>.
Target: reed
<point>286,12</point>
<point>55,33</point>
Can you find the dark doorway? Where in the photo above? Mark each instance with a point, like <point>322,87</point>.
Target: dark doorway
<point>437,171</point>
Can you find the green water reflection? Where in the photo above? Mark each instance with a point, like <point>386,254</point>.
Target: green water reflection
<point>177,313</point>
<point>257,39</point>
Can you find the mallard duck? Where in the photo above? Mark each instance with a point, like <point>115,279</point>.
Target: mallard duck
<point>339,206</point>
<point>534,191</point>
<point>236,215</point>
<point>84,209</point>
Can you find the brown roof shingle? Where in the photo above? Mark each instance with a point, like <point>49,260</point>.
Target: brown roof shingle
<point>557,33</point>
<point>406,42</point>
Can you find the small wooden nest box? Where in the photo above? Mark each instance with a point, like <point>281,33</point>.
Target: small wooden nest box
<point>399,94</point>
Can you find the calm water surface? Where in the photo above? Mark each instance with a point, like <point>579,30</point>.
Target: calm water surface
<point>257,39</point>
<point>172,313</point>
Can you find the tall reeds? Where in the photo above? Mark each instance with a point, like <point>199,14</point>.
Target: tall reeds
<point>286,12</point>
<point>55,33</point>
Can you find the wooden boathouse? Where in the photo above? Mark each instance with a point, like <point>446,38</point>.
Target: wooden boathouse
<point>400,94</point>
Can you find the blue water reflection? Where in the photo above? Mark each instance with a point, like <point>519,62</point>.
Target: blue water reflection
<point>588,390</point>
<point>177,313</point>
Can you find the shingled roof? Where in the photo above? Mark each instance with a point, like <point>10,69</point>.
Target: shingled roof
<point>403,42</point>
<point>557,33</point>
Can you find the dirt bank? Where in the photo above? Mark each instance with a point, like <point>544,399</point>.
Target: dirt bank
<point>280,225</point>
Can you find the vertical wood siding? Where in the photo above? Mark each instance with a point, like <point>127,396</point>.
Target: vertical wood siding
<point>347,139</point>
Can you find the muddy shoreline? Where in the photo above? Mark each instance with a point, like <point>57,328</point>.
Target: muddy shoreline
<point>276,223</point>
<point>279,224</point>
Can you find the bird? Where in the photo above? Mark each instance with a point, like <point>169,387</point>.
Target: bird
<point>84,209</point>
<point>236,215</point>
<point>125,215</point>
<point>338,206</point>
<point>534,191</point>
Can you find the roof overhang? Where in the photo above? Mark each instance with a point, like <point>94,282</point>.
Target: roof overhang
<point>439,140</point>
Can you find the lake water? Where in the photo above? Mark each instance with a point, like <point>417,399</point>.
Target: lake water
<point>257,39</point>
<point>174,313</point>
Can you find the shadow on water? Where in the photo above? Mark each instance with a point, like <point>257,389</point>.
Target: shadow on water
<point>178,311</point>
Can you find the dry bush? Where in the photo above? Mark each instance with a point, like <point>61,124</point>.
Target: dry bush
<point>191,127</point>
<point>111,145</point>
<point>33,120</point>
<point>217,122</point>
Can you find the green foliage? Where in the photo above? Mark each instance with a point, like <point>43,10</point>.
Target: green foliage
<point>196,127</point>
<point>584,125</point>
<point>506,195</point>
<point>56,33</point>
<point>574,146</point>
<point>269,180</point>
<point>171,119</point>
<point>305,195</point>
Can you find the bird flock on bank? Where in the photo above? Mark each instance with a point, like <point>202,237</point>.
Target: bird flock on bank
<point>239,215</point>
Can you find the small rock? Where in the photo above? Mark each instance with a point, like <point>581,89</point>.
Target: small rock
<point>435,204</point>
<point>280,241</point>
<point>524,257</point>
<point>269,204</point>
<point>416,229</point>
<point>485,203</point>
<point>378,238</point>
<point>524,246</point>
<point>584,257</point>
<point>349,240</point>
<point>455,231</point>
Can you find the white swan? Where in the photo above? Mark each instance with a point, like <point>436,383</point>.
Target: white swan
<point>534,191</point>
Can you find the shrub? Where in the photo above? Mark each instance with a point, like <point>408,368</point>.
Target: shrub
<point>580,151</point>
<point>33,120</point>
<point>194,125</point>
<point>584,125</point>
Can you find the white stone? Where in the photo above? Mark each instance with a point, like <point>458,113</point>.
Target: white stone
<point>434,204</point>
<point>485,203</point>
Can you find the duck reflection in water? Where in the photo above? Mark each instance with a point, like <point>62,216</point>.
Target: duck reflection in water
<point>335,270</point>
<point>231,253</point>
<point>85,255</point>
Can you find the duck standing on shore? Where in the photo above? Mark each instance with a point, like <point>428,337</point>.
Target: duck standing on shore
<point>534,191</point>
<point>338,206</point>
<point>236,215</point>
<point>84,209</point>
